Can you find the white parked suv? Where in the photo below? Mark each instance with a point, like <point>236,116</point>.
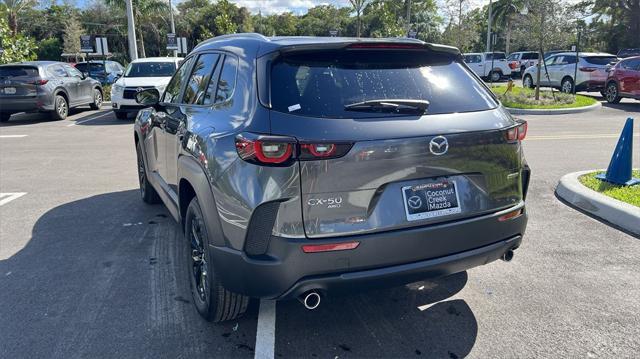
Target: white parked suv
<point>141,74</point>
<point>521,60</point>
<point>591,71</point>
<point>492,65</point>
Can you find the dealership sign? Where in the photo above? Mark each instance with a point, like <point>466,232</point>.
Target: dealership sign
<point>86,45</point>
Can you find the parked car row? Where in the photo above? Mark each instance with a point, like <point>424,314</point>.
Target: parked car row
<point>488,65</point>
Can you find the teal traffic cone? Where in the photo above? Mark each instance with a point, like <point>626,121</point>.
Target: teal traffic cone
<point>620,167</point>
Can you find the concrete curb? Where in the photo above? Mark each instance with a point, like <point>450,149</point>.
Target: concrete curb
<point>553,111</point>
<point>611,210</point>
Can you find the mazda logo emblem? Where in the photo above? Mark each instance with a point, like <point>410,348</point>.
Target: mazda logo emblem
<point>438,145</point>
<point>414,202</point>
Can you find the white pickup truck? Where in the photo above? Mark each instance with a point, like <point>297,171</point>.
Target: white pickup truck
<point>488,65</point>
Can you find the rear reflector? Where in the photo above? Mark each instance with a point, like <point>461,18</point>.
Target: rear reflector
<point>510,215</point>
<point>315,248</point>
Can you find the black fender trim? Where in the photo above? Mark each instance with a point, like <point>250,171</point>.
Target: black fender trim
<point>191,171</point>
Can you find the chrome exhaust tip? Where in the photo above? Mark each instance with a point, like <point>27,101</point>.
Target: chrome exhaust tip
<point>507,256</point>
<point>310,300</point>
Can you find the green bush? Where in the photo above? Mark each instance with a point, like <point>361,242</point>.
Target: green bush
<point>106,92</point>
<point>520,97</point>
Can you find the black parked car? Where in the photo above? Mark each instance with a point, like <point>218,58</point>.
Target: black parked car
<point>107,72</point>
<point>45,86</point>
<point>300,167</point>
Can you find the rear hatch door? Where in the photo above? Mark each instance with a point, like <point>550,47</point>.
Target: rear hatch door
<point>18,81</point>
<point>393,168</point>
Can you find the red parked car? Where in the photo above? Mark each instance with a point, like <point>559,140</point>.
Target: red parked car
<point>623,80</point>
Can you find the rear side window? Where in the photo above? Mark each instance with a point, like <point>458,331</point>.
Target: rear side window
<point>172,93</point>
<point>227,81</point>
<point>631,64</point>
<point>530,56</point>
<point>600,60</point>
<point>495,56</point>
<point>57,71</point>
<point>195,92</point>
<point>322,84</point>
<point>18,71</point>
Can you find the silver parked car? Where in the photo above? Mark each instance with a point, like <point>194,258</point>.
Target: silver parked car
<point>46,86</point>
<point>561,69</point>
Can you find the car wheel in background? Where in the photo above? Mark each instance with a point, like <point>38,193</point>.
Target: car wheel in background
<point>567,85</point>
<point>611,93</point>
<point>212,300</point>
<point>148,193</point>
<point>527,82</point>
<point>61,109</point>
<point>4,117</point>
<point>97,99</point>
<point>495,76</point>
<point>120,115</point>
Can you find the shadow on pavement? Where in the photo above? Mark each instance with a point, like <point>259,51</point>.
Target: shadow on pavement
<point>417,319</point>
<point>624,106</point>
<point>105,276</point>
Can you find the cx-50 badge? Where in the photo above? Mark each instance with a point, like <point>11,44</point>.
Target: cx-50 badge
<point>438,145</point>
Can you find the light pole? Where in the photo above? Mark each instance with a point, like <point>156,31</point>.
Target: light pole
<point>131,32</point>
<point>489,25</point>
<point>408,24</point>
<point>173,27</point>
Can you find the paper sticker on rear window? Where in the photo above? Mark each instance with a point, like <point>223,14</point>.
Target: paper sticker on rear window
<point>294,107</point>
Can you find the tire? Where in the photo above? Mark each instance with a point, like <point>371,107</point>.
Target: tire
<point>97,99</point>
<point>212,300</point>
<point>4,117</point>
<point>147,192</point>
<point>611,93</point>
<point>527,81</point>
<point>495,76</point>
<point>566,85</point>
<point>61,108</point>
<point>121,115</point>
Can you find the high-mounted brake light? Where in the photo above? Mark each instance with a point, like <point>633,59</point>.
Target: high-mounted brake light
<point>517,133</point>
<point>315,248</point>
<point>384,45</point>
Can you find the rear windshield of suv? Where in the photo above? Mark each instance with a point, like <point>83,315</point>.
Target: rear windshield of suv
<point>150,69</point>
<point>600,60</point>
<point>18,71</point>
<point>321,84</point>
<point>91,68</point>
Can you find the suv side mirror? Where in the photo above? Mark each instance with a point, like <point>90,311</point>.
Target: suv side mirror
<point>148,97</point>
<point>84,75</point>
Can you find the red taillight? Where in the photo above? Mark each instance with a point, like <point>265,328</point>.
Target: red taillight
<point>315,248</point>
<point>374,45</point>
<point>319,149</point>
<point>517,133</point>
<point>39,82</point>
<point>265,150</point>
<point>587,69</point>
<point>510,215</point>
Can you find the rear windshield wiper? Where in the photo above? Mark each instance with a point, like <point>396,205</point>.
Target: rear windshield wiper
<point>390,105</point>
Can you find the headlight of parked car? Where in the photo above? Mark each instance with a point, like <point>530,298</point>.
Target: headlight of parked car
<point>117,89</point>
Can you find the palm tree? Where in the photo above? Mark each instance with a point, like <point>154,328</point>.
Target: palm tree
<point>503,13</point>
<point>143,12</point>
<point>14,7</point>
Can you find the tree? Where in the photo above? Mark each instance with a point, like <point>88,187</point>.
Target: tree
<point>504,12</point>
<point>14,8</point>
<point>144,13</point>
<point>358,6</point>
<point>71,35</point>
<point>614,24</point>
<point>49,49</point>
<point>223,21</point>
<point>16,48</point>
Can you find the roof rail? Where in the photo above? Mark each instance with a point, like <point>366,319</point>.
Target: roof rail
<point>242,35</point>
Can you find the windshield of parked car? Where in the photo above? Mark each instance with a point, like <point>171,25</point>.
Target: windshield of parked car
<point>150,69</point>
<point>600,60</point>
<point>90,68</point>
<point>325,84</point>
<point>18,71</point>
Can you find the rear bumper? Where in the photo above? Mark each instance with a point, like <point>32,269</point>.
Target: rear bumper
<point>381,260</point>
<point>41,102</point>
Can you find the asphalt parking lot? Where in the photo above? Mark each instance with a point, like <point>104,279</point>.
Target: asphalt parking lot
<point>88,270</point>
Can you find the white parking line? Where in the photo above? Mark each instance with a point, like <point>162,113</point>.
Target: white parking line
<point>10,196</point>
<point>266,331</point>
<point>12,136</point>
<point>89,119</point>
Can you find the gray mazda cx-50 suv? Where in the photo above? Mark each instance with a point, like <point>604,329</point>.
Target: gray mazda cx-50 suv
<point>302,166</point>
